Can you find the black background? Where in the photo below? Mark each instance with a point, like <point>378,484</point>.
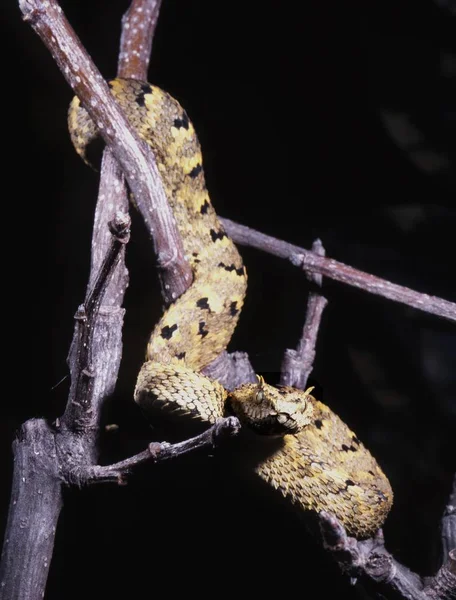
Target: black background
<point>290,103</point>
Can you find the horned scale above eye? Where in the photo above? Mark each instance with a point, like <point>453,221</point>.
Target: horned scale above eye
<point>319,463</point>
<point>259,396</point>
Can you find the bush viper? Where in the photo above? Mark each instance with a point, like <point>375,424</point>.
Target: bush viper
<point>312,458</point>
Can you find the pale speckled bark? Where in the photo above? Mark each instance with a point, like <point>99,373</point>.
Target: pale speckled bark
<point>47,457</point>
<point>312,262</point>
<point>135,156</point>
<point>138,26</point>
<point>112,200</point>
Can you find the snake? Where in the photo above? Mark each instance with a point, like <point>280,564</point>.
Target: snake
<point>308,454</point>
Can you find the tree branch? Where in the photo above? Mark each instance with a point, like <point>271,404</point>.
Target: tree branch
<point>369,561</point>
<point>112,204</point>
<point>231,369</point>
<point>45,457</point>
<point>449,523</point>
<point>377,569</point>
<point>83,409</point>
<point>160,452</point>
<point>443,585</point>
<point>35,504</point>
<point>338,271</point>
<point>298,364</point>
<point>134,156</point>
<point>138,28</point>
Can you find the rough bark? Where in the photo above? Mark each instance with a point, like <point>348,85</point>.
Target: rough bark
<point>36,501</point>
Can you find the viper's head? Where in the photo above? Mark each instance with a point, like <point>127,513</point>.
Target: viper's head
<point>272,411</point>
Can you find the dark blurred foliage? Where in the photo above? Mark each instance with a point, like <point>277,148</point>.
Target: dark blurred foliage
<point>323,119</point>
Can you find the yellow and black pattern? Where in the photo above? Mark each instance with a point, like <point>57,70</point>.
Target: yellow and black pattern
<point>177,390</point>
<point>318,463</point>
<point>199,326</point>
<point>322,465</point>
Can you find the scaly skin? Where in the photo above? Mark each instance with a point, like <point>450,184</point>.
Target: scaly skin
<point>314,458</point>
<point>318,463</point>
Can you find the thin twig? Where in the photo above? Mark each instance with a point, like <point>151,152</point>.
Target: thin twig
<point>120,231</point>
<point>159,452</point>
<point>309,261</point>
<point>298,364</point>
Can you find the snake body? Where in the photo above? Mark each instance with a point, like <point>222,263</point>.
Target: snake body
<point>313,458</point>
